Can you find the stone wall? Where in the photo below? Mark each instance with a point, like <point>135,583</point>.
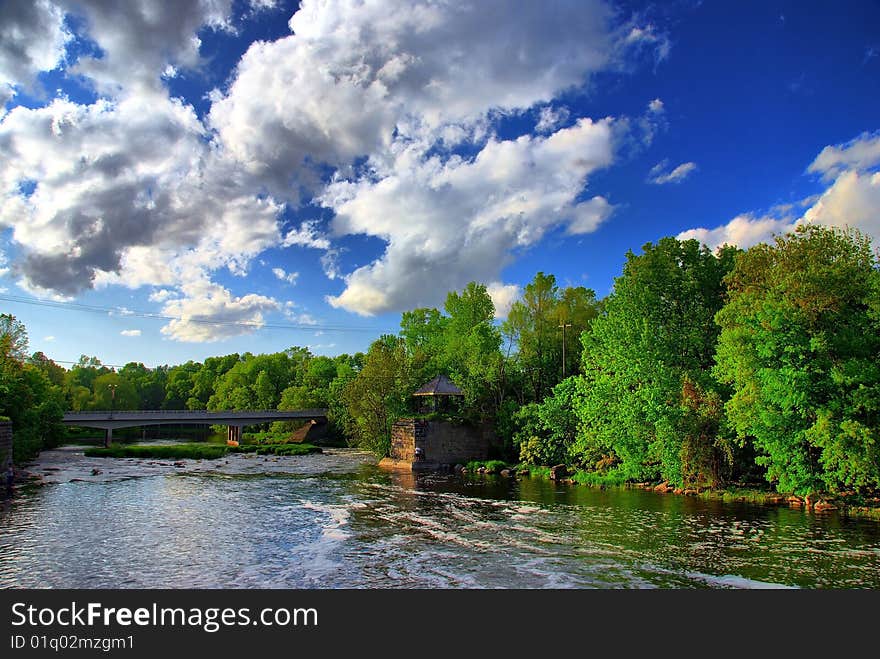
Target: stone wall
<point>5,445</point>
<point>441,441</point>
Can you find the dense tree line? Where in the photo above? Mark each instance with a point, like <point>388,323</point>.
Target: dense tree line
<point>699,368</point>
<point>704,368</point>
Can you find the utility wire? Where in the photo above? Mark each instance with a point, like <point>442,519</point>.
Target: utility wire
<point>76,306</point>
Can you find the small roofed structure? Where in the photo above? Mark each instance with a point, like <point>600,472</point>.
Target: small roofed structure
<point>439,388</point>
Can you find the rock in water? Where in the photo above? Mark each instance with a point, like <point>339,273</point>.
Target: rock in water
<point>558,472</point>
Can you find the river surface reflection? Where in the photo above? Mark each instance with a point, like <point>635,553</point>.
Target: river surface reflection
<point>361,527</point>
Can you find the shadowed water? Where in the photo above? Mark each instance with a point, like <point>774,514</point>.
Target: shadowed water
<point>363,528</point>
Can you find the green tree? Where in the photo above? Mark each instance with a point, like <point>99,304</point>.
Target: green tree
<point>546,325</point>
<point>800,345</point>
<point>111,391</point>
<point>547,430</point>
<point>14,337</point>
<point>379,394</point>
<point>656,334</point>
<point>27,396</point>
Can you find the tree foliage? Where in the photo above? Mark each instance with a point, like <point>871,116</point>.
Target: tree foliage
<point>800,345</point>
<point>654,340</point>
<point>27,396</point>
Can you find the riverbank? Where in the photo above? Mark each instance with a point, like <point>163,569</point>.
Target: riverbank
<point>846,504</point>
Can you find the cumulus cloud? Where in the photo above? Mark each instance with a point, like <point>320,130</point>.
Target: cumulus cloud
<point>660,173</point>
<point>447,223</point>
<point>851,200</point>
<point>858,154</point>
<point>140,39</point>
<point>131,332</point>
<point>137,190</point>
<point>743,231</point>
<point>307,235</point>
<point>503,296</point>
<point>33,38</point>
<point>123,192</point>
<point>209,312</point>
<point>409,69</point>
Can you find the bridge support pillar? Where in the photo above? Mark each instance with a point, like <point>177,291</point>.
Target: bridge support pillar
<point>233,434</point>
<point>108,437</point>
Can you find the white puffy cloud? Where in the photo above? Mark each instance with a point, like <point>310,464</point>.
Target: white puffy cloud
<point>355,74</point>
<point>851,200</point>
<point>503,296</point>
<point>307,235</point>
<point>136,190</point>
<point>33,38</point>
<point>660,173</point>
<point>131,332</point>
<point>124,192</point>
<point>588,215</point>
<point>450,222</point>
<point>140,38</point>
<point>858,154</point>
<point>743,231</point>
<point>209,312</point>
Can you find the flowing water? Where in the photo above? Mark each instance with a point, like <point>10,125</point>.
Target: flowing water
<point>337,521</point>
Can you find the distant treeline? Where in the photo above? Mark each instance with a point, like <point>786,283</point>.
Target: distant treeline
<point>700,368</point>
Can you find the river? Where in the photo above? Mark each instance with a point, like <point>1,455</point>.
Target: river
<point>337,521</point>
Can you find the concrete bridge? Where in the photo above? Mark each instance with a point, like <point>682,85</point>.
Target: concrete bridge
<point>235,421</point>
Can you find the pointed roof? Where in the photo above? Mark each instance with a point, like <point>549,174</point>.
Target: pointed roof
<point>439,386</point>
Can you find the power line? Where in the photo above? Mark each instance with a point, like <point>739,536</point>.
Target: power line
<point>121,311</point>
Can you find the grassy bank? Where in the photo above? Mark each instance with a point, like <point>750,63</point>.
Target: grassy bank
<point>197,451</point>
<point>193,451</point>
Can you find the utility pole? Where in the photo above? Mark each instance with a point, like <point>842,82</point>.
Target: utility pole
<point>563,326</point>
<point>112,388</point>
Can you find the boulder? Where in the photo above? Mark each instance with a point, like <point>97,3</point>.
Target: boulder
<point>558,472</point>
<point>822,504</point>
<point>795,501</point>
<point>506,473</point>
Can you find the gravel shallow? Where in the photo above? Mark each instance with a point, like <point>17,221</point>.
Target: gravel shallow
<point>68,464</point>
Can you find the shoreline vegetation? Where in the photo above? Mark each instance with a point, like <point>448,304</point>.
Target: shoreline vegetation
<point>849,504</point>
<point>700,371</point>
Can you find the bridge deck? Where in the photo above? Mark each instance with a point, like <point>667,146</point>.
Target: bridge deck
<point>129,418</point>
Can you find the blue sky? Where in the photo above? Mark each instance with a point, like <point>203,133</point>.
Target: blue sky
<point>185,179</point>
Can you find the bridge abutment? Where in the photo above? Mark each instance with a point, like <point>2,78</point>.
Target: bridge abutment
<point>233,434</point>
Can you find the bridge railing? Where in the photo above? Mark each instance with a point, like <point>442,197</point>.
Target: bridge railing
<point>206,414</point>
